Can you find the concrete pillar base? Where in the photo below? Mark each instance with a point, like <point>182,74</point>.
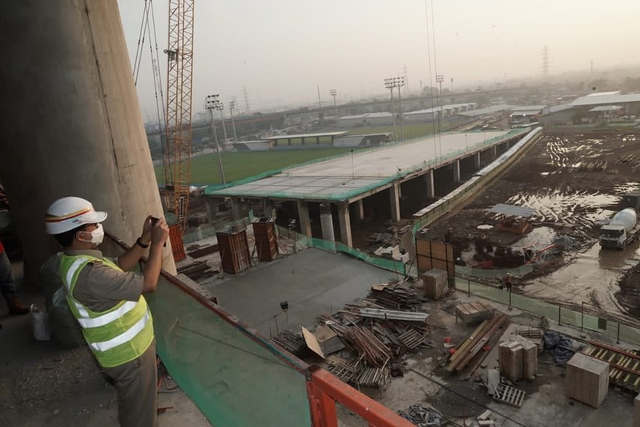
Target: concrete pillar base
<point>360,209</point>
<point>303,215</point>
<point>456,171</point>
<point>394,194</point>
<point>345,224</point>
<point>431,188</point>
<point>476,160</point>
<point>326,221</point>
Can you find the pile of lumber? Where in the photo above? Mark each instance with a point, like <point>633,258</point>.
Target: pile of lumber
<point>474,312</point>
<point>486,335</point>
<point>197,270</point>
<point>395,296</point>
<point>518,359</point>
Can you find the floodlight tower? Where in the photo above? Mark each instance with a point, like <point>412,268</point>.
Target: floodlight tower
<point>212,103</point>
<point>390,84</point>
<point>232,106</point>
<point>334,93</point>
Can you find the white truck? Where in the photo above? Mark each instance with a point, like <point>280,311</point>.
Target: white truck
<point>620,231</point>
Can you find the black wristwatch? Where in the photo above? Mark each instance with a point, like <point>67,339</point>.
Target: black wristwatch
<point>142,245</point>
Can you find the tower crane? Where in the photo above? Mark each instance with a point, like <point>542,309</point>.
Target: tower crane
<point>177,152</point>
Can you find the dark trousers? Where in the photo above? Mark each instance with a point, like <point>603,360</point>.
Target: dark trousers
<point>136,387</point>
<point>7,281</point>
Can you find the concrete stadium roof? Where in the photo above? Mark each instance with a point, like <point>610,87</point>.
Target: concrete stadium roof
<point>596,99</point>
<point>488,110</point>
<point>558,108</point>
<point>351,175</point>
<point>444,107</point>
<point>305,135</point>
<point>528,108</point>
<point>606,108</point>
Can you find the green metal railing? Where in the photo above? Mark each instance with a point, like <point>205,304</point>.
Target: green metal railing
<point>569,314</point>
<point>301,242</point>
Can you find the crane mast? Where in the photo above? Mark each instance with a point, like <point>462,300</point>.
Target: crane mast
<point>177,154</point>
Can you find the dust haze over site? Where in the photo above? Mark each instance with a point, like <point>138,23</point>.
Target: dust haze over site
<point>283,50</point>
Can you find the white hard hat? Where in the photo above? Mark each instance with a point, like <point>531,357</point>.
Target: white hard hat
<point>68,213</point>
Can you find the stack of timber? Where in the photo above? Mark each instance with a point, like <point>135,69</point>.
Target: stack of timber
<point>518,359</point>
<point>587,379</point>
<point>197,270</point>
<point>624,367</point>
<point>395,296</point>
<point>474,312</point>
<point>435,283</point>
<point>534,335</point>
<point>486,335</point>
<point>291,342</point>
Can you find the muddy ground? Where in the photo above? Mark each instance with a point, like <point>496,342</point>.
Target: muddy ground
<point>572,181</point>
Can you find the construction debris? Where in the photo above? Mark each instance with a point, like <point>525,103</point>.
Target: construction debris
<point>624,366</point>
<point>374,377</point>
<point>509,395</point>
<point>395,296</point>
<point>197,270</point>
<point>291,342</point>
<point>406,316</point>
<point>559,346</point>
<point>483,338</point>
<point>534,335</point>
<point>422,416</point>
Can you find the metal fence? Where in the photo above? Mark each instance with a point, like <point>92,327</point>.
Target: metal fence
<point>581,316</point>
<point>301,241</point>
<point>212,229</point>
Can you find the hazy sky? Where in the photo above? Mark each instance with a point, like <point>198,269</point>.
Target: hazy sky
<point>281,50</point>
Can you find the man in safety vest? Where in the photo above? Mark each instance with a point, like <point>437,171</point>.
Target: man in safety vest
<point>107,301</point>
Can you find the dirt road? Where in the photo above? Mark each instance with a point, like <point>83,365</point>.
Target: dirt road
<point>572,181</point>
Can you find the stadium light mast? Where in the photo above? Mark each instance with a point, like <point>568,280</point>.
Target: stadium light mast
<point>212,103</point>
<point>399,82</point>
<point>390,84</point>
<point>334,93</point>
<point>232,106</point>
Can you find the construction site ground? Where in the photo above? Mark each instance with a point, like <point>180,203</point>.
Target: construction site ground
<point>572,180</point>
<point>315,282</point>
<point>42,384</point>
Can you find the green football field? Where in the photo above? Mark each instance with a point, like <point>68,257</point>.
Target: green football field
<point>238,165</point>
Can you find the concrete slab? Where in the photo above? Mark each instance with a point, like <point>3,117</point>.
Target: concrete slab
<point>351,175</point>
<point>313,282</point>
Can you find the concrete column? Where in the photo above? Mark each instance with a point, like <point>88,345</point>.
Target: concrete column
<point>303,215</point>
<point>495,151</point>
<point>394,191</point>
<point>345,223</point>
<point>359,209</point>
<point>235,208</point>
<point>269,210</point>
<point>476,160</point>
<point>456,171</point>
<point>71,121</point>
<point>326,221</point>
<point>431,188</point>
<point>210,205</point>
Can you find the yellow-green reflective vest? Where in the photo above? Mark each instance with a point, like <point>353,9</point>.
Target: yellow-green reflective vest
<point>115,336</point>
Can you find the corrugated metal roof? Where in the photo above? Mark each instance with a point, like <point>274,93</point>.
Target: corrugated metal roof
<point>525,112</point>
<point>307,135</point>
<point>488,110</point>
<point>512,210</point>
<point>606,108</point>
<point>529,108</point>
<point>598,99</point>
<point>614,92</point>
<point>562,107</point>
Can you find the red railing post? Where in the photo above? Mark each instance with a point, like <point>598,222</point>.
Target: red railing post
<point>323,407</point>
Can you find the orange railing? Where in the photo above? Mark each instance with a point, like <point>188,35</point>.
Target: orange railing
<point>323,389</point>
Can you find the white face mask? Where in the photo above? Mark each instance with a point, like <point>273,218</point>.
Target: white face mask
<point>97,236</point>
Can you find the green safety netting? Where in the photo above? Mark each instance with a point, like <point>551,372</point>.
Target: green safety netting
<point>567,316</point>
<point>236,378</point>
<point>302,241</point>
